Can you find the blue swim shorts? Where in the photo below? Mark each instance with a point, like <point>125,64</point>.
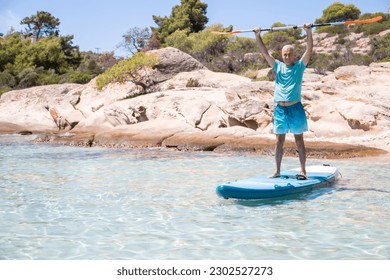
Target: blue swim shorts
<point>290,119</point>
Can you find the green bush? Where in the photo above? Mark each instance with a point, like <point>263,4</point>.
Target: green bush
<point>180,40</point>
<point>380,48</point>
<point>337,12</point>
<point>7,79</point>
<point>134,69</point>
<point>4,89</point>
<point>192,83</point>
<point>27,78</point>
<point>48,78</point>
<point>360,59</point>
<point>321,63</point>
<point>79,77</point>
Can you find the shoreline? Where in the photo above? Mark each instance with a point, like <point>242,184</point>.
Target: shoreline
<point>197,142</point>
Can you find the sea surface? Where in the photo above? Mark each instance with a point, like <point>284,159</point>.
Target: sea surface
<point>71,203</point>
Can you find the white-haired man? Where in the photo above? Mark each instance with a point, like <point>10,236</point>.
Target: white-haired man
<point>289,115</point>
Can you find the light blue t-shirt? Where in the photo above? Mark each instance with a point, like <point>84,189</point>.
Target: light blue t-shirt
<point>288,81</point>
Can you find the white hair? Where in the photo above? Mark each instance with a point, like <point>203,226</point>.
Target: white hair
<point>287,47</point>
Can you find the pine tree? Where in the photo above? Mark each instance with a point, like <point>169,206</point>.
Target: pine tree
<point>190,17</point>
<point>42,24</point>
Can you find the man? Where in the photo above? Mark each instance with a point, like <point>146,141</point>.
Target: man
<point>289,115</point>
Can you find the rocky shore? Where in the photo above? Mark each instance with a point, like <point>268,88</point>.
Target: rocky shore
<point>191,108</point>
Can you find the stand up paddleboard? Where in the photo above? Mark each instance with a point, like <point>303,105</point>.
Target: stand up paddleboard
<point>288,183</point>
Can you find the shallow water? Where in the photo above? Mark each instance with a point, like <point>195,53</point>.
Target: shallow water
<point>59,202</point>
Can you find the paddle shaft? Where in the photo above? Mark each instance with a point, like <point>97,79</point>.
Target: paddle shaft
<point>371,20</point>
<point>293,27</point>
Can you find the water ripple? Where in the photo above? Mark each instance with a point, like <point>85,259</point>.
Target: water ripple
<point>61,202</point>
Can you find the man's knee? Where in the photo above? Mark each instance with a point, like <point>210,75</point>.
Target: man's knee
<point>299,140</point>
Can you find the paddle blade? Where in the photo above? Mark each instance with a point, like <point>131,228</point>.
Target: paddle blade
<point>361,21</point>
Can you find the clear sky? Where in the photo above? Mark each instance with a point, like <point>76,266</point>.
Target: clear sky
<point>98,25</point>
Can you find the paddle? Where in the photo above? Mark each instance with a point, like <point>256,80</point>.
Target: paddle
<point>361,21</point>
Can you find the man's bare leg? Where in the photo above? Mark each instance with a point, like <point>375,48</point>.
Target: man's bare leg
<point>302,152</point>
<point>280,139</point>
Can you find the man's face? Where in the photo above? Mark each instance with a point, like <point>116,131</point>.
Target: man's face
<point>289,56</point>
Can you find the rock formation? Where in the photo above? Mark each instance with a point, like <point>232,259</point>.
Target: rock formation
<point>193,108</point>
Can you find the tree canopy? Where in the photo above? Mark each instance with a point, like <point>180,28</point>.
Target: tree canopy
<point>337,12</point>
<point>136,39</point>
<point>340,12</point>
<point>189,17</point>
<point>42,24</point>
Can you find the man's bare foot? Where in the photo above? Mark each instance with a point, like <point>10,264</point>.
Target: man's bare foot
<point>301,177</point>
<point>275,175</point>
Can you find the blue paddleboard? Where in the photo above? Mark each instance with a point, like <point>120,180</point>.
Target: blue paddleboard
<point>288,183</point>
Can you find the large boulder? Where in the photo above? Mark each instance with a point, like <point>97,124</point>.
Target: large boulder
<point>172,62</point>
<point>41,108</point>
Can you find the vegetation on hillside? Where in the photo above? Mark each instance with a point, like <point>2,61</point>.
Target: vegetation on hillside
<point>236,54</point>
<point>41,56</point>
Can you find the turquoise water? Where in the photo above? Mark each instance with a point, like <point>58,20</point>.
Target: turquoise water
<point>59,202</point>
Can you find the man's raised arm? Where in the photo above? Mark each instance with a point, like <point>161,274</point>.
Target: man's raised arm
<point>269,58</point>
<point>309,47</point>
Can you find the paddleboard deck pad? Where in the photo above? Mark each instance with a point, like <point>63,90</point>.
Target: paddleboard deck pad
<point>288,183</point>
